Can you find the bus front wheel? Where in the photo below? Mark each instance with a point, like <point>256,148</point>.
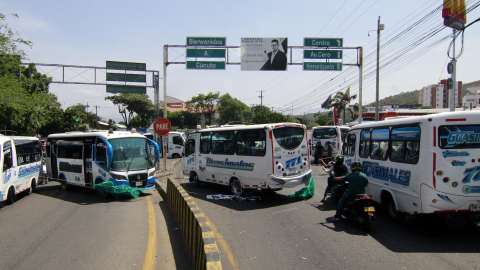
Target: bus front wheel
<point>392,212</point>
<point>11,197</point>
<point>63,183</point>
<point>236,187</point>
<point>32,187</point>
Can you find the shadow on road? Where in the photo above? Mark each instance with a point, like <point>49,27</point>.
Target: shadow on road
<point>429,234</point>
<point>79,195</point>
<point>266,200</point>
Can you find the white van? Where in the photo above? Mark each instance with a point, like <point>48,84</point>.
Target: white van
<point>333,134</point>
<point>21,162</point>
<point>175,144</point>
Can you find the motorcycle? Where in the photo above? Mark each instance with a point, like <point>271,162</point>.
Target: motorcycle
<point>360,209</point>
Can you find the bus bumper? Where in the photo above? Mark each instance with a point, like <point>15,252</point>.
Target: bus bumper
<point>439,202</point>
<point>289,182</point>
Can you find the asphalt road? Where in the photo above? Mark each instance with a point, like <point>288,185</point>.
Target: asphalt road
<point>76,229</point>
<point>281,232</point>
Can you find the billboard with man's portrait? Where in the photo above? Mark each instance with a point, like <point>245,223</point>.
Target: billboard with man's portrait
<point>264,53</point>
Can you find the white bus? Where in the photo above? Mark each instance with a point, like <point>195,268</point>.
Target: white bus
<point>333,134</point>
<point>88,158</point>
<point>421,164</point>
<point>268,157</point>
<point>21,162</point>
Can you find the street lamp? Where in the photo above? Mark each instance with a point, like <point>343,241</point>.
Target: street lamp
<point>379,28</point>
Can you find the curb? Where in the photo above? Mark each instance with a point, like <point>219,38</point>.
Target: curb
<point>197,233</point>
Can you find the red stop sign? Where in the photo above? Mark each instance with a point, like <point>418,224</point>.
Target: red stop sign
<point>162,126</point>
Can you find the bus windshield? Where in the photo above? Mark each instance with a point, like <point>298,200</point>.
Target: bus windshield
<point>289,138</point>
<point>324,133</point>
<point>130,154</point>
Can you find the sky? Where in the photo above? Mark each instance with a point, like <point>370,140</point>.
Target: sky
<point>89,33</point>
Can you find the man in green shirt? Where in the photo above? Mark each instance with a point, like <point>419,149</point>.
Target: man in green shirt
<point>358,182</point>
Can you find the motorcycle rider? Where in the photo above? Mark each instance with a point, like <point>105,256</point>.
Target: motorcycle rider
<point>338,169</point>
<point>358,182</point>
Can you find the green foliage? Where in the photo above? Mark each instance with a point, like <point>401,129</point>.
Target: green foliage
<point>129,104</point>
<point>231,109</point>
<point>268,118</point>
<point>204,104</point>
<point>189,119</point>
<point>325,119</point>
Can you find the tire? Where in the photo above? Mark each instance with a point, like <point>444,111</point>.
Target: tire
<point>391,209</point>
<point>11,197</point>
<point>63,183</point>
<point>364,221</point>
<point>101,194</point>
<point>236,187</point>
<point>32,188</point>
<point>175,155</point>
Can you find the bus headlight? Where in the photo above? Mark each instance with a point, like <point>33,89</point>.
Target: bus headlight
<point>119,177</point>
<point>152,174</point>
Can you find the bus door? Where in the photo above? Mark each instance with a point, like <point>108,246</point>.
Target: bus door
<point>189,160</point>
<point>7,166</point>
<point>53,162</point>
<point>349,149</point>
<point>87,161</point>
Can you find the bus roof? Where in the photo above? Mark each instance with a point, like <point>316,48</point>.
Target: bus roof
<point>5,138</point>
<point>420,119</point>
<point>259,126</point>
<point>97,133</point>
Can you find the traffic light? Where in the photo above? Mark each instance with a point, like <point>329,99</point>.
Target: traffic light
<point>454,14</point>
<point>449,83</point>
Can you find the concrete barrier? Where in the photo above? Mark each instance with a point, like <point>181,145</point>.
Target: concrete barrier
<point>198,235</point>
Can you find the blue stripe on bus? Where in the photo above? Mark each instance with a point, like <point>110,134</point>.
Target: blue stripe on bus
<point>29,174</point>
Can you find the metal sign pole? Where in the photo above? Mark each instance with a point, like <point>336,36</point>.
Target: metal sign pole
<point>165,64</point>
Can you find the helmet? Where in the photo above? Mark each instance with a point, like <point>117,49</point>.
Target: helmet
<point>356,166</point>
<point>339,158</point>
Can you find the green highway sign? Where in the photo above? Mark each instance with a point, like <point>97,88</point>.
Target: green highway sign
<point>321,66</point>
<point>322,54</point>
<point>207,53</point>
<point>121,77</point>
<point>323,42</point>
<point>126,66</point>
<point>205,65</point>
<point>126,89</point>
<point>206,41</point>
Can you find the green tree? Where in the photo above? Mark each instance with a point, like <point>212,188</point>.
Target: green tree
<point>129,104</point>
<point>189,119</point>
<point>231,109</point>
<point>325,119</point>
<point>340,104</point>
<point>269,118</point>
<point>205,105</point>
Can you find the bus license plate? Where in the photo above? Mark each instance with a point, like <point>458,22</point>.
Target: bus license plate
<point>138,184</point>
<point>369,209</point>
<point>475,207</point>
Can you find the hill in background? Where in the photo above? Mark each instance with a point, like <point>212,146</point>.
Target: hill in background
<point>404,98</point>
<point>411,98</point>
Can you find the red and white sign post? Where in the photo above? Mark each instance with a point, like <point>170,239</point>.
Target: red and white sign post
<point>162,127</point>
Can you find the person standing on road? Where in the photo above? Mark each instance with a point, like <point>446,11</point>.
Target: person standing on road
<point>318,152</point>
<point>338,169</point>
<point>358,182</point>
<point>329,150</point>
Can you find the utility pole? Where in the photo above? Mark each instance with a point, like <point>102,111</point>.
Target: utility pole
<point>261,98</point>
<point>377,108</point>
<point>454,77</point>
<point>96,116</point>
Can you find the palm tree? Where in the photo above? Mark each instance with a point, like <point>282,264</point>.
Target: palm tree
<point>340,104</point>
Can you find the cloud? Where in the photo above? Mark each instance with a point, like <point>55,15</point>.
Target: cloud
<point>27,23</point>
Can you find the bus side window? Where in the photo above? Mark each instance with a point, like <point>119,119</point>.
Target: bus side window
<point>405,144</point>
<point>380,144</point>
<point>101,153</point>
<point>177,140</point>
<point>205,142</point>
<point>364,144</point>
<point>7,156</point>
<point>190,147</point>
<point>349,149</point>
